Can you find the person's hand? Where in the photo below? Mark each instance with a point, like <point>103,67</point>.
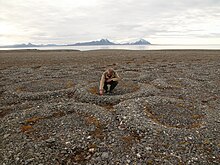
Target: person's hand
<point>101,92</point>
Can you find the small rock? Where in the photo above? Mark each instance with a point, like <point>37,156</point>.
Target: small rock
<point>122,126</point>
<point>17,159</point>
<point>89,137</point>
<point>51,140</point>
<point>63,152</point>
<point>6,135</point>
<point>148,148</point>
<point>194,158</point>
<point>91,149</point>
<point>105,155</point>
<point>29,160</point>
<point>190,137</point>
<point>89,156</point>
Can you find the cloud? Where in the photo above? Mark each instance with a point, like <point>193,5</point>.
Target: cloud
<point>69,21</point>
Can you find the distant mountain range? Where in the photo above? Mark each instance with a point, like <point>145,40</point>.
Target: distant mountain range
<point>107,42</point>
<point>91,43</point>
<point>29,45</point>
<point>101,42</point>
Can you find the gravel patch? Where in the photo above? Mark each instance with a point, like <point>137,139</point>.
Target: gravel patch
<point>165,110</point>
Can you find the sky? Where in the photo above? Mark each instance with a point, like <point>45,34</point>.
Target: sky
<point>71,21</point>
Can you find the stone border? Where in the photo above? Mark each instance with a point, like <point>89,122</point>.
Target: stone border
<point>135,115</point>
<point>82,94</point>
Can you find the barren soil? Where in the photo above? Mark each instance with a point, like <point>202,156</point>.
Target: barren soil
<point>165,110</point>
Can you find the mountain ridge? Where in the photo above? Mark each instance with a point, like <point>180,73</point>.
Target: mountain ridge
<point>88,43</point>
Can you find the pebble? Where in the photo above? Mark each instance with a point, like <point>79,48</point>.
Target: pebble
<point>148,148</point>
<point>29,160</point>
<point>138,155</point>
<point>63,152</point>
<point>89,137</point>
<point>6,135</point>
<point>105,155</point>
<point>51,140</point>
<point>91,149</point>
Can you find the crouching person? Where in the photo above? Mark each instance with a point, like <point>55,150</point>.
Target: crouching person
<point>109,77</point>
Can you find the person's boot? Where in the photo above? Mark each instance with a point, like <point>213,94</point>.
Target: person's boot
<point>111,91</point>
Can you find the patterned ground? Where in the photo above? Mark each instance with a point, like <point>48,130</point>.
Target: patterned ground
<point>165,110</point>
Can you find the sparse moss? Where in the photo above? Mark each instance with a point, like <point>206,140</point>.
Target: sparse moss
<point>98,133</point>
<point>94,90</point>
<point>58,114</point>
<point>92,120</point>
<point>197,116</point>
<point>20,89</point>
<point>131,138</point>
<point>26,128</point>
<point>108,107</point>
<point>128,139</point>
<point>33,120</point>
<point>69,84</point>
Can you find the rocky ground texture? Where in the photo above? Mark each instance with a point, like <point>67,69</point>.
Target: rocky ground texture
<point>165,110</point>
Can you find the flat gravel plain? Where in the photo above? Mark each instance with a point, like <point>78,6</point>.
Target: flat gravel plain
<point>165,109</point>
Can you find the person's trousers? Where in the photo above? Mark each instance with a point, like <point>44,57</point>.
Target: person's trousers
<point>112,84</point>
